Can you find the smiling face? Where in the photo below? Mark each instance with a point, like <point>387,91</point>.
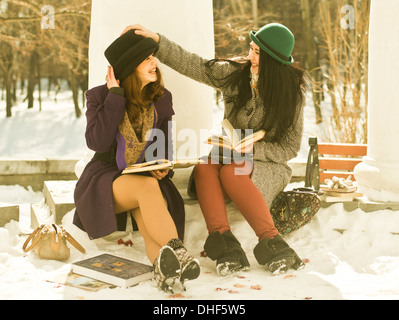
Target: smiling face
<point>253,56</point>
<point>147,70</point>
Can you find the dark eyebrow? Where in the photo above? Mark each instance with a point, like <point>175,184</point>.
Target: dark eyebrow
<point>257,50</point>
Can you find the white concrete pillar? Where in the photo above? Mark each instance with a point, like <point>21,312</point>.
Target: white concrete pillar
<point>187,22</point>
<point>378,174</point>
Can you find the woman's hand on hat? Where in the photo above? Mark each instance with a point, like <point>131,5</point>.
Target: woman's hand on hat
<point>141,31</point>
<point>111,81</point>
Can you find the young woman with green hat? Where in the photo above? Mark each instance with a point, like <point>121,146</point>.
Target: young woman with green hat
<point>119,115</point>
<point>264,90</point>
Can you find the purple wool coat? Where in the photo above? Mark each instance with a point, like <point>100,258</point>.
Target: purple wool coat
<point>93,197</point>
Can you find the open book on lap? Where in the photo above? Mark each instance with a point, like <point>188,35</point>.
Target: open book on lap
<point>161,164</point>
<point>232,141</point>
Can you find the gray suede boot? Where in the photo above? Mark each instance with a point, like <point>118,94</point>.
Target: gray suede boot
<point>174,266</point>
<point>166,269</point>
<point>189,266</point>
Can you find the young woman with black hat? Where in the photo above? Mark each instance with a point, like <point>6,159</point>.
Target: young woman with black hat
<point>264,90</point>
<point>119,116</point>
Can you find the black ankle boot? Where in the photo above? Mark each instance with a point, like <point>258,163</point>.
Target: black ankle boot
<point>277,255</point>
<point>227,251</point>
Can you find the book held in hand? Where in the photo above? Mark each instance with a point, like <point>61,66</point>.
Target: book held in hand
<point>161,164</point>
<point>233,141</point>
<point>114,270</point>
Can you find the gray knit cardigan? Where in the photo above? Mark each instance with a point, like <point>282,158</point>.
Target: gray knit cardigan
<point>271,173</point>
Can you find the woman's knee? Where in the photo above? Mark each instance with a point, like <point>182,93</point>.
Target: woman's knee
<point>149,184</point>
<point>135,184</point>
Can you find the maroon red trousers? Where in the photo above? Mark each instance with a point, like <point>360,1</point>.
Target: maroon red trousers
<point>216,182</point>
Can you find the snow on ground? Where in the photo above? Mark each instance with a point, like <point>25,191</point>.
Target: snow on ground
<point>348,255</point>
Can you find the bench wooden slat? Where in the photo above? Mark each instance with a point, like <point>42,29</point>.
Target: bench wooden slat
<point>327,160</point>
<point>343,149</point>
<point>338,163</point>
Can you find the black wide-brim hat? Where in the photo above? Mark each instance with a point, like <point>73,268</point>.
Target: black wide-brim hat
<point>127,52</point>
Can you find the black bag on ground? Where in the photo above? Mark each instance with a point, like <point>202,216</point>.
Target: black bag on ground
<point>291,210</point>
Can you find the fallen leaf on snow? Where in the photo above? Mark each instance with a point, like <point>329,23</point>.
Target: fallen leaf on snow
<point>237,285</point>
<point>129,243</point>
<point>256,287</point>
<point>289,276</point>
<point>177,295</point>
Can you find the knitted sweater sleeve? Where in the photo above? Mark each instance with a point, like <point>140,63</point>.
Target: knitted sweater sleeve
<point>286,149</point>
<point>190,64</point>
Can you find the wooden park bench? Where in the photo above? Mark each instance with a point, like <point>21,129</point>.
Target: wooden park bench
<point>326,160</point>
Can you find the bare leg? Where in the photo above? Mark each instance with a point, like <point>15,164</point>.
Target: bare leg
<point>153,218</point>
<point>151,246</point>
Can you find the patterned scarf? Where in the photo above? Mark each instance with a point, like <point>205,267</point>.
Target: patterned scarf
<point>131,139</point>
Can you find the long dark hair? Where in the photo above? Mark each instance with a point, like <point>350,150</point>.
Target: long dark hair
<point>281,87</point>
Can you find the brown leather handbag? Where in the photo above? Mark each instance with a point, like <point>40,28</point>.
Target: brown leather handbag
<point>50,242</point>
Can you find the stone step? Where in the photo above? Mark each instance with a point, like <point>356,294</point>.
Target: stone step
<point>58,196</point>
<point>33,171</point>
<point>40,214</point>
<point>8,212</point>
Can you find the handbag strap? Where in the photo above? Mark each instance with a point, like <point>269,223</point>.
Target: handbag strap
<point>68,237</point>
<point>35,240</point>
<point>73,241</point>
